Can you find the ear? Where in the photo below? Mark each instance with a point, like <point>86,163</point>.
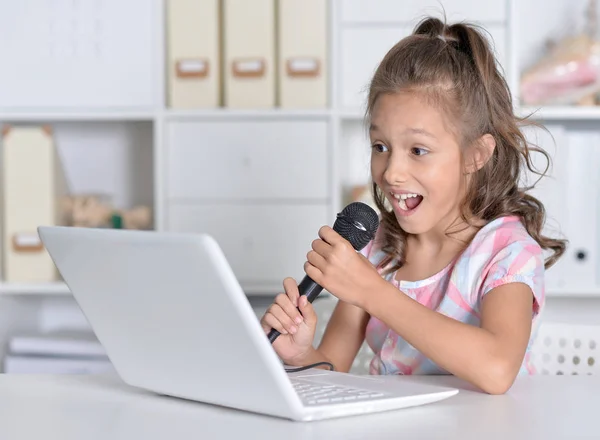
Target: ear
<point>480,153</point>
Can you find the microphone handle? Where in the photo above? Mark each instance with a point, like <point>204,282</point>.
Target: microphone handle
<point>307,287</point>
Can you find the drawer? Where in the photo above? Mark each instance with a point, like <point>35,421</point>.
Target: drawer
<point>263,243</point>
<point>242,160</point>
<point>364,48</point>
<point>381,11</point>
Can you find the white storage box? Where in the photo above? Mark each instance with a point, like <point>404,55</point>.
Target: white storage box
<point>249,51</point>
<point>302,53</point>
<point>193,53</point>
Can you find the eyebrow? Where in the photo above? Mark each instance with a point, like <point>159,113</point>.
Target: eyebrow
<point>420,131</point>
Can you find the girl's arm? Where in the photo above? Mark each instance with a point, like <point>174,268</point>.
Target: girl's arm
<point>343,337</point>
<point>488,356</point>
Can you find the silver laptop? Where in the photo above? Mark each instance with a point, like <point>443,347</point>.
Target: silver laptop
<point>174,320</point>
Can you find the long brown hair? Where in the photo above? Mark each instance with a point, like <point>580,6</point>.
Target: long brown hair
<point>454,67</point>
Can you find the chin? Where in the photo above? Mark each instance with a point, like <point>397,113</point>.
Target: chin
<point>411,227</point>
<point>416,221</point>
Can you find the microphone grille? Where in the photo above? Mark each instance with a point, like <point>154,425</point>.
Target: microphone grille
<point>357,223</point>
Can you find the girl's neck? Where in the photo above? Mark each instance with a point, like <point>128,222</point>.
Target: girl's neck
<point>449,235</point>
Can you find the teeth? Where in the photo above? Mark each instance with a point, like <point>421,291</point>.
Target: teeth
<point>402,204</point>
<point>404,196</point>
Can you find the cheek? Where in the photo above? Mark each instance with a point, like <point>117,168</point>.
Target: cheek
<point>377,169</point>
<point>445,180</point>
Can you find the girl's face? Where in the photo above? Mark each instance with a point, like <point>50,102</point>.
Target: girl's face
<point>416,161</point>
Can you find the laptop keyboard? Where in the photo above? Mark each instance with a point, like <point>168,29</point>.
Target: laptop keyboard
<point>314,393</point>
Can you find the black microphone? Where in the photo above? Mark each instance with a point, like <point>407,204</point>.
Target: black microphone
<point>357,223</point>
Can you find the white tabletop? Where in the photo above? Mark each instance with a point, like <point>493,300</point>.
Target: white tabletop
<point>102,407</point>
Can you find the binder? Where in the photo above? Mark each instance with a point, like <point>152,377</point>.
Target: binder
<point>193,29</point>
<point>581,204</point>
<point>249,53</point>
<point>302,53</point>
<point>551,191</point>
<point>33,183</point>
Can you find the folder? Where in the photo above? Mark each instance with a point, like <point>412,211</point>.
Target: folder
<point>193,29</point>
<point>249,53</point>
<point>302,53</point>
<point>33,184</point>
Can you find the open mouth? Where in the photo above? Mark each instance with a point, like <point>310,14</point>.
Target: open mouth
<point>408,202</point>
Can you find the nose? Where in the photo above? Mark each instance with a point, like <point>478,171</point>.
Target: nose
<point>396,170</point>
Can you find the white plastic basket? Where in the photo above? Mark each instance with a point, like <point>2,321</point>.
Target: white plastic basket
<point>566,349</point>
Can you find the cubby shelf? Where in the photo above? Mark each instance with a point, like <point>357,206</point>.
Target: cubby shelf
<point>360,34</point>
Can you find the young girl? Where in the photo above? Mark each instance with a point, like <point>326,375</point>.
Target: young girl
<point>453,282</point>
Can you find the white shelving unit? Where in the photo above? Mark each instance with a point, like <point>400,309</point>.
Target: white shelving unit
<point>138,133</point>
<point>562,113</point>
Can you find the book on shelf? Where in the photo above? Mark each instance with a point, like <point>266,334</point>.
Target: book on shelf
<point>57,343</point>
<point>56,352</point>
<point>27,364</point>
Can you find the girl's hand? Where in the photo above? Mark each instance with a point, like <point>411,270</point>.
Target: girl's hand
<point>337,267</point>
<point>297,330</point>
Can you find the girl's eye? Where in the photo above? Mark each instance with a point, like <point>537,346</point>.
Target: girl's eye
<point>417,151</point>
<point>380,148</point>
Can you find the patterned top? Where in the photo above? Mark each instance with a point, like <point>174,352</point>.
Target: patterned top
<point>501,252</point>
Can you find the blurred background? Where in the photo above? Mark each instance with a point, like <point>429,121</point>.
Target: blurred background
<point>244,119</point>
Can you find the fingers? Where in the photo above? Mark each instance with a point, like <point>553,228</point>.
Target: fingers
<point>328,234</point>
<point>291,289</point>
<point>290,310</point>
<point>283,316</point>
<point>269,321</point>
<point>328,244</point>
<point>316,259</point>
<point>313,272</point>
<point>308,311</point>
<point>320,247</point>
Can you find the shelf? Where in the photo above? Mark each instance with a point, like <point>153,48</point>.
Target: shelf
<point>562,113</point>
<point>83,115</point>
<point>350,114</point>
<point>537,113</point>
<point>276,113</point>
<point>589,113</point>
<point>574,293</point>
<point>32,289</point>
